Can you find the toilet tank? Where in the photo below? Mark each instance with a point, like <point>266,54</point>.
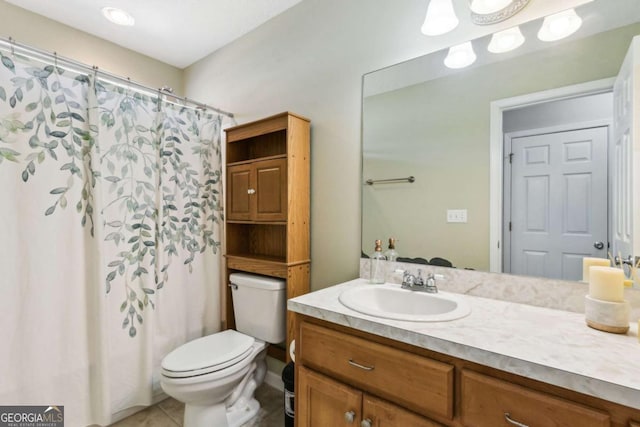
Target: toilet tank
<point>259,305</point>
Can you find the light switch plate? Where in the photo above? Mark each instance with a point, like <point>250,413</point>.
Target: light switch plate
<point>457,215</point>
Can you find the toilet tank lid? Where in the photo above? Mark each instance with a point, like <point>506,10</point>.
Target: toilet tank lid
<point>256,281</point>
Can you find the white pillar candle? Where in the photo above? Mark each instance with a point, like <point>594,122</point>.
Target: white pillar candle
<point>589,262</point>
<point>606,284</point>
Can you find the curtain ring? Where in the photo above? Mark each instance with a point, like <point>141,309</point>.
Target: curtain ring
<point>159,101</point>
<point>13,45</point>
<point>55,59</point>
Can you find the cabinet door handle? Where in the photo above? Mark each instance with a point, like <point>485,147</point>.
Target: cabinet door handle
<point>251,191</point>
<point>349,417</point>
<point>357,365</point>
<point>366,423</point>
<point>507,416</point>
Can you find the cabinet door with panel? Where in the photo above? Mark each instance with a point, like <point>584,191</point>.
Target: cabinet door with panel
<point>323,402</point>
<point>239,186</point>
<point>257,191</point>
<point>270,195</point>
<point>380,413</point>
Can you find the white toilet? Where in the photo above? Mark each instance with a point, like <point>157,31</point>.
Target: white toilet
<point>216,376</point>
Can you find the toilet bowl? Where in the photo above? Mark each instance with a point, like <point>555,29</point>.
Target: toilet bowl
<point>216,375</point>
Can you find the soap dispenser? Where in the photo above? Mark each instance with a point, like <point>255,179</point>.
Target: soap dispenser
<point>391,254</point>
<point>376,264</point>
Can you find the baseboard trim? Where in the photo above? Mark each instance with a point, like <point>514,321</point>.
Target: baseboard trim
<point>274,380</point>
<point>125,413</point>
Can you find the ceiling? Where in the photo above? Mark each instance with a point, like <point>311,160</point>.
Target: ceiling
<point>177,32</point>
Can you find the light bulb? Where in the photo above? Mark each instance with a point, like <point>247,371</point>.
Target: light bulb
<point>460,56</point>
<point>486,7</point>
<point>118,16</point>
<point>440,19</point>
<point>504,41</point>
<point>560,25</point>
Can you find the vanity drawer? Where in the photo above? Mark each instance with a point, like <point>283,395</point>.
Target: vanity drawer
<point>486,401</point>
<point>415,382</point>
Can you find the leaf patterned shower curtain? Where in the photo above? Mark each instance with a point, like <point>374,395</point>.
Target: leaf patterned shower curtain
<point>109,235</point>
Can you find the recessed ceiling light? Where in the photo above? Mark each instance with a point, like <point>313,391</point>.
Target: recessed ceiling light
<point>118,16</point>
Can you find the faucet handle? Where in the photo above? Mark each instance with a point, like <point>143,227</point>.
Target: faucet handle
<point>408,279</point>
<point>431,280</point>
<point>431,284</point>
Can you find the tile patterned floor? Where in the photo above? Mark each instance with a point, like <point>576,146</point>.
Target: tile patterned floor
<point>170,412</point>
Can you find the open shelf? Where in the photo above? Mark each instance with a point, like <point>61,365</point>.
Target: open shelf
<point>258,147</point>
<point>258,240</point>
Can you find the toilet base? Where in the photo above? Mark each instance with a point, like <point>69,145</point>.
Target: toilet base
<point>200,416</point>
<point>239,407</point>
<point>241,414</point>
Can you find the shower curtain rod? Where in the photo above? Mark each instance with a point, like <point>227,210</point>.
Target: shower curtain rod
<point>11,45</point>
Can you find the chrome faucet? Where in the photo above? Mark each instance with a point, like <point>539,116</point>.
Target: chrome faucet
<point>418,283</point>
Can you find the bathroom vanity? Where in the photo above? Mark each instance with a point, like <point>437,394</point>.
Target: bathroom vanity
<point>504,364</point>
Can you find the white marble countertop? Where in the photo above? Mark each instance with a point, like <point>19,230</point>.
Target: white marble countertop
<point>547,345</point>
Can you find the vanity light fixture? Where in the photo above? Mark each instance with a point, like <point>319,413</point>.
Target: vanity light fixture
<point>485,7</point>
<point>460,56</point>
<point>559,25</point>
<point>440,19</point>
<point>504,41</point>
<point>488,12</point>
<point>118,16</point>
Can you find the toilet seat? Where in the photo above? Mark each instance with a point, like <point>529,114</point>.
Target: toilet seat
<point>208,354</point>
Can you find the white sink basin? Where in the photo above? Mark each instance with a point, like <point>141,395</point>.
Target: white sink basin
<point>392,302</point>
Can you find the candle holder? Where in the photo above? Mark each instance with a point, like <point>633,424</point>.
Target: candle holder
<point>607,316</point>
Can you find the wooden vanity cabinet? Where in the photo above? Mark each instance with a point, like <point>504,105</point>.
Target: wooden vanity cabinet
<point>417,383</point>
<point>381,413</point>
<point>326,402</point>
<point>490,401</point>
<point>389,383</point>
<point>267,207</point>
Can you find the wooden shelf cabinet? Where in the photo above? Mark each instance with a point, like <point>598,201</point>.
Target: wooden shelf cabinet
<point>267,205</point>
<point>382,382</point>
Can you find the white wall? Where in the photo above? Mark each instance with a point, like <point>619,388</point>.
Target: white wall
<point>310,60</point>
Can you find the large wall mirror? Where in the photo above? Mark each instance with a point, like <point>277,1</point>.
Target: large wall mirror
<point>502,206</point>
